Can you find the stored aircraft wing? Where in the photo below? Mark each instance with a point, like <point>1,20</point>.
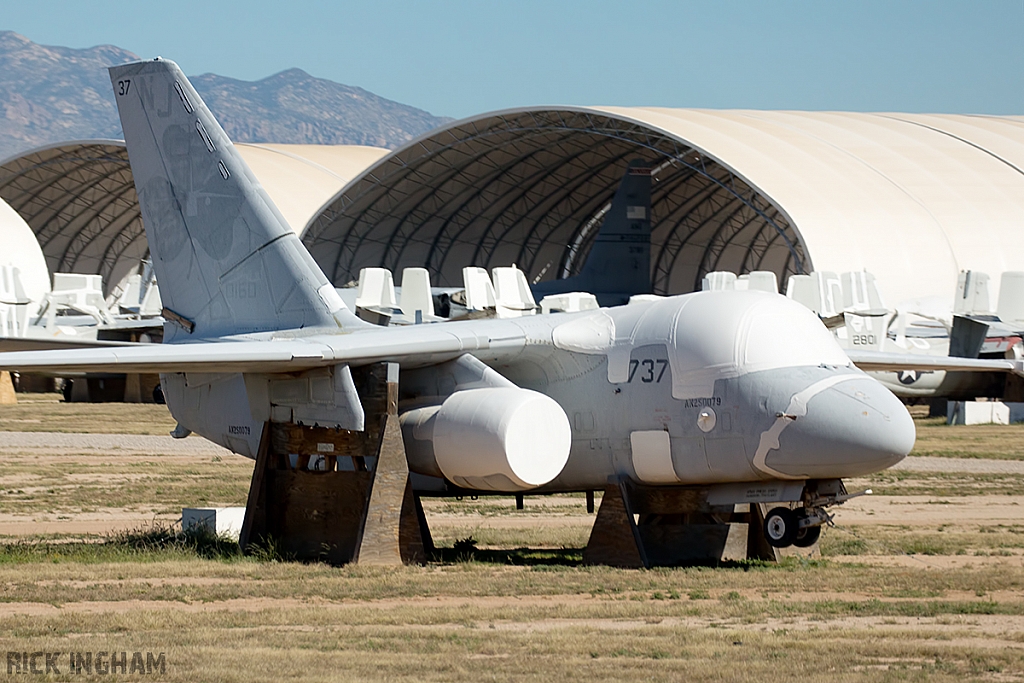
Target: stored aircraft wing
<point>882,361</point>
<point>10,344</point>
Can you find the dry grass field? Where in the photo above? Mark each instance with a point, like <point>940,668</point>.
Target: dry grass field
<point>922,581</point>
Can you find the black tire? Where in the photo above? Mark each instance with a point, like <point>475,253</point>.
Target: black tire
<point>66,389</point>
<point>807,536</point>
<point>158,394</point>
<point>780,527</point>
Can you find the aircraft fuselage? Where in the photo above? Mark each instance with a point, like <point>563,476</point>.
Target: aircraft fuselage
<point>710,387</point>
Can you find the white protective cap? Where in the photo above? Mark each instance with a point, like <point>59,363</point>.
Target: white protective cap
<point>501,438</point>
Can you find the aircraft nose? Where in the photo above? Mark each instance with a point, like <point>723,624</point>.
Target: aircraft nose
<point>851,427</point>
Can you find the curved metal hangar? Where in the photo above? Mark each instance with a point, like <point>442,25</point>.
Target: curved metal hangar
<point>79,197</point>
<point>912,198</point>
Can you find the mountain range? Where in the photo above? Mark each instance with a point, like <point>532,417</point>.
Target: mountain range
<point>54,94</point>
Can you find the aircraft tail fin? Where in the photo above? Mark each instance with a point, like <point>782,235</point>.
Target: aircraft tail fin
<point>619,263</point>
<point>622,248</point>
<point>226,260</point>
<point>967,337</point>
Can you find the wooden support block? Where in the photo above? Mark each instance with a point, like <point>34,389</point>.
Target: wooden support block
<point>255,520</point>
<point>7,394</point>
<point>737,539</point>
<point>304,515</point>
<point>665,526</point>
<point>318,515</point>
<point>614,540</point>
<point>79,390</point>
<point>391,534</point>
<point>339,515</point>
<point>421,518</point>
<point>132,388</point>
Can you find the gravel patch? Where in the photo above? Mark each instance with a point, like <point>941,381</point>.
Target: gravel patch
<point>927,463</point>
<point>50,441</point>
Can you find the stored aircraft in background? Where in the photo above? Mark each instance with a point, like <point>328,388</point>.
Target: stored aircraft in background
<point>851,305</point>
<point>618,265</point>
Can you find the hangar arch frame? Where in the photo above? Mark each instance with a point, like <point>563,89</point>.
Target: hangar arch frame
<point>79,198</point>
<point>485,183</point>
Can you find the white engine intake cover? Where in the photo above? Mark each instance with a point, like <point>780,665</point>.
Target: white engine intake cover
<point>501,439</point>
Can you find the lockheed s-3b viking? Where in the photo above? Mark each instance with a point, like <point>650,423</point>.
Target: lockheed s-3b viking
<point>743,396</point>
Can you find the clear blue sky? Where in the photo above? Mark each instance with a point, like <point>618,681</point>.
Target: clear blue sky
<point>463,57</point>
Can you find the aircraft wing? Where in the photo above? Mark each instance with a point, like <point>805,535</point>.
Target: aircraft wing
<point>412,346</point>
<point>45,343</point>
<point>882,361</point>
<point>266,356</point>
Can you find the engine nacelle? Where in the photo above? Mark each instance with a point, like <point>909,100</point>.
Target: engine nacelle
<point>490,439</point>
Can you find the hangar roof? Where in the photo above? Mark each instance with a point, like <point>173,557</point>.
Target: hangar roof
<point>911,198</point>
<point>79,197</point>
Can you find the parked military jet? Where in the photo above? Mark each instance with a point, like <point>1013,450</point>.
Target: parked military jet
<point>745,393</point>
<point>852,307</point>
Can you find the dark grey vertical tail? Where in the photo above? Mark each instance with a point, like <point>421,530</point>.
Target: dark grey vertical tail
<point>619,263</point>
<point>225,259</point>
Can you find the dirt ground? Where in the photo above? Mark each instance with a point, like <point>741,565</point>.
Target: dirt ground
<point>121,452</point>
<point>923,580</point>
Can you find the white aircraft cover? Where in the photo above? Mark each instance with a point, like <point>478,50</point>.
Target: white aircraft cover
<point>21,249</point>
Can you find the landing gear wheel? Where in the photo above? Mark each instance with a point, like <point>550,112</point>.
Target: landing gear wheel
<point>807,536</point>
<point>780,528</point>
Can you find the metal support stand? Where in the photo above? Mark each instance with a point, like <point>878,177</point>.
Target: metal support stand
<point>335,495</point>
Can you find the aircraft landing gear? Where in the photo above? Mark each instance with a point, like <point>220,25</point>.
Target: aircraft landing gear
<point>802,527</point>
<point>809,523</point>
<point>780,527</point>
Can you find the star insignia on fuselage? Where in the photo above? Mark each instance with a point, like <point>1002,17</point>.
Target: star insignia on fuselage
<point>910,376</point>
